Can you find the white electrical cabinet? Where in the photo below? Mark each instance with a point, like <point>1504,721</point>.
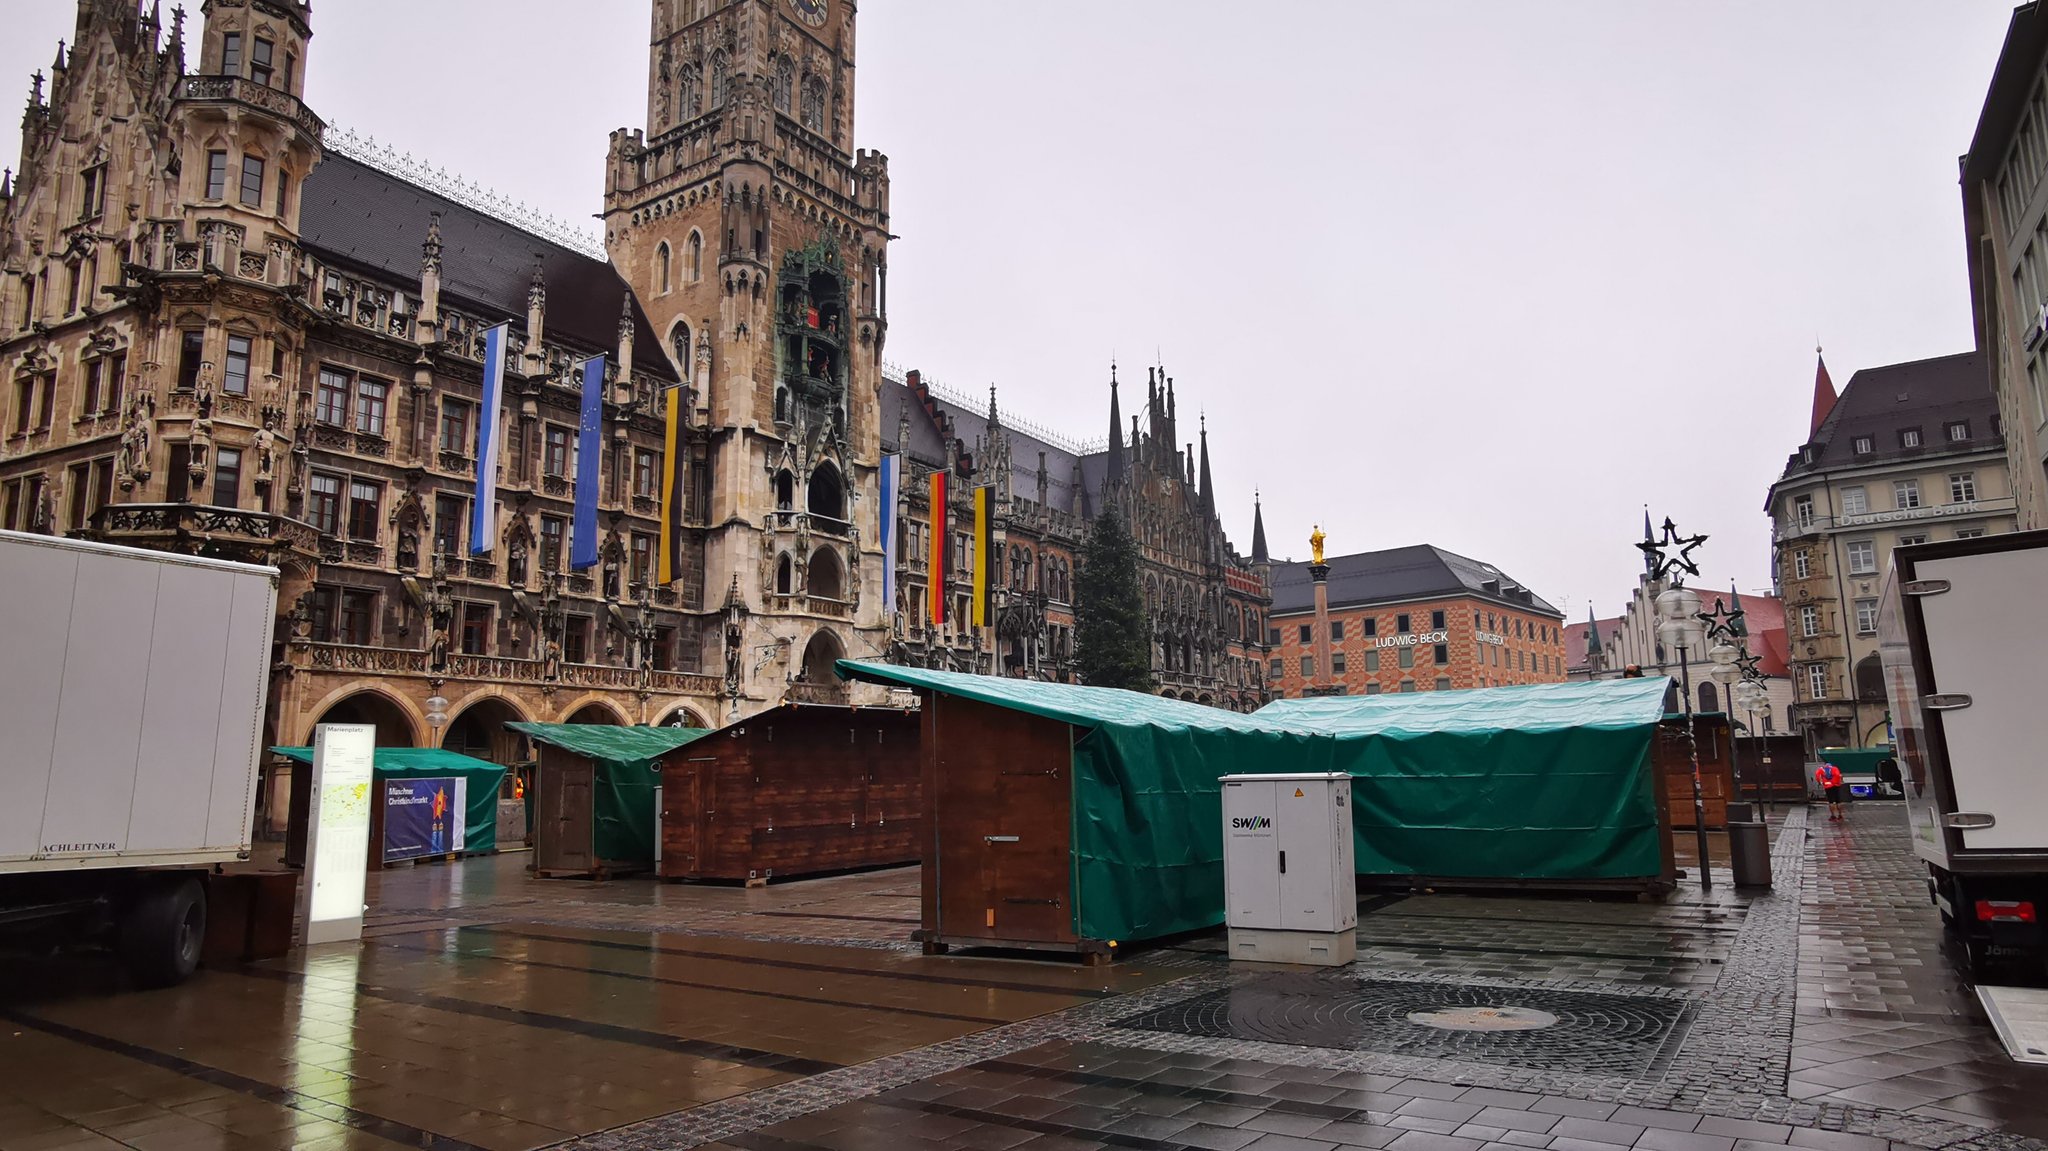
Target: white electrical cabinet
<point>1289,878</point>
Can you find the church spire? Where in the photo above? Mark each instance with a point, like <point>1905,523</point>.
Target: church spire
<point>1650,540</point>
<point>1115,473</point>
<point>1208,484</point>
<point>1259,553</point>
<point>1824,395</point>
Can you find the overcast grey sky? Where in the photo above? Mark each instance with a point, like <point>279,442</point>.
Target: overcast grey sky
<point>1488,275</point>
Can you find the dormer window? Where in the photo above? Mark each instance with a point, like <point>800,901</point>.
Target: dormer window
<point>259,62</point>
<point>231,54</point>
<point>1958,431</point>
<point>1909,437</point>
<point>1806,454</point>
<point>1865,445</point>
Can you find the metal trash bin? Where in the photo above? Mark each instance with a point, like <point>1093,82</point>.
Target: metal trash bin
<point>1741,811</point>
<point>1749,853</point>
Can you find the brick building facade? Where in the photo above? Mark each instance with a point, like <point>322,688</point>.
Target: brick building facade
<point>1409,619</point>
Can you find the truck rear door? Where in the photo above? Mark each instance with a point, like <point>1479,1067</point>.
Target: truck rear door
<point>1985,641</point>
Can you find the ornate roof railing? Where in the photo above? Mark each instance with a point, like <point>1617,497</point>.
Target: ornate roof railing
<point>468,193</point>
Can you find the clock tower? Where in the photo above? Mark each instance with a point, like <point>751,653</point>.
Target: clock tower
<point>755,237</point>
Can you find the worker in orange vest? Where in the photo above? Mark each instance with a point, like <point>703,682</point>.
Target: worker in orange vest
<point>1830,779</point>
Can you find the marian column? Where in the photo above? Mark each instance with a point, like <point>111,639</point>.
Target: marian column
<point>1320,573</point>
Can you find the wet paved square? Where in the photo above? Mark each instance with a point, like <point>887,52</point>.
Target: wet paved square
<point>489,1010</point>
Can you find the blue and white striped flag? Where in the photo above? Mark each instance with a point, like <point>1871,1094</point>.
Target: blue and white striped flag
<point>583,527</point>
<point>891,481</point>
<point>490,432</point>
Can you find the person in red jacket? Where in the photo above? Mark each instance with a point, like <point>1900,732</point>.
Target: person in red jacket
<point>1830,779</point>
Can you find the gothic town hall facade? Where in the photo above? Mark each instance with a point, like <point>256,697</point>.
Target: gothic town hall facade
<point>224,331</point>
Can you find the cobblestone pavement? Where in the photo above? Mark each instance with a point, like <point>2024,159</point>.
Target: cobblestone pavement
<point>1817,1015</point>
<point>488,1010</point>
<point>866,909</point>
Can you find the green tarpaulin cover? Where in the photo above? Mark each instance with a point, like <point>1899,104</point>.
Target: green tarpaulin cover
<point>1856,760</point>
<point>1147,810</point>
<point>480,809</point>
<point>1538,782</point>
<point>622,816</point>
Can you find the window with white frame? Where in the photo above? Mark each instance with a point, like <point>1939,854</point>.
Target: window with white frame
<point>1962,487</point>
<point>1905,494</point>
<point>1909,437</point>
<point>1968,533</point>
<point>1816,681</point>
<point>1809,621</point>
<point>1855,501</point>
<point>1912,540</point>
<point>1863,445</point>
<point>1802,564</point>
<point>1866,617</point>
<point>1862,557</point>
<point>1802,510</point>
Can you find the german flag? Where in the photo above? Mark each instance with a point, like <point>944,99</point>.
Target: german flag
<point>986,565</point>
<point>938,557</point>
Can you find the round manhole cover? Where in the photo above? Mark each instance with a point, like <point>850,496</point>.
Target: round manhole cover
<point>1484,1018</point>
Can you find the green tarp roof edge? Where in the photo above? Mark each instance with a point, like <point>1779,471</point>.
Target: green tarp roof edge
<point>610,742</point>
<point>1575,705</point>
<point>407,759</point>
<point>1083,706</point>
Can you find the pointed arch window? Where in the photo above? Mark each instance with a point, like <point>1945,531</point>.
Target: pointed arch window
<point>785,83</point>
<point>814,103</point>
<point>720,83</point>
<point>661,267</point>
<point>695,267</point>
<point>679,337</point>
<point>691,92</point>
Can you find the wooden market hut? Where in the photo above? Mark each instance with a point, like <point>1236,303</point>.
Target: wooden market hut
<point>402,765</point>
<point>1079,818</point>
<point>594,795</point>
<point>799,789</point>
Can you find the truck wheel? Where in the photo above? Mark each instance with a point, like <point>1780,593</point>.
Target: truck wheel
<point>162,933</point>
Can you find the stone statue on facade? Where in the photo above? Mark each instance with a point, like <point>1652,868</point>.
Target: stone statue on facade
<point>134,461</point>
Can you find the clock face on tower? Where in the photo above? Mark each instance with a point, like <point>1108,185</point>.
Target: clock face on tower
<point>811,12</point>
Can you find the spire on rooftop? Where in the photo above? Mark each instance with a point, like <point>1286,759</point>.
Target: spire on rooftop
<point>1824,394</point>
<point>1259,553</point>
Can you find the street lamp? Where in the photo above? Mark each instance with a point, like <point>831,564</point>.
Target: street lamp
<point>1679,606</point>
<point>437,715</point>
<point>1750,695</point>
<point>1726,670</point>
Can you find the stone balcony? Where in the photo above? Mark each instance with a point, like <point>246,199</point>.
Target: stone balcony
<point>346,657</point>
<point>203,529</point>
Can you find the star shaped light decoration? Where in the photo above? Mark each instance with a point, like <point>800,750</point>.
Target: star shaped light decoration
<point>1748,663</point>
<point>1666,565</point>
<point>1721,622</point>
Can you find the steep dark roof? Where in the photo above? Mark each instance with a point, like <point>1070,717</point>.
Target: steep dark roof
<point>354,215</point>
<point>1421,571</point>
<point>1881,402</point>
<point>2005,101</point>
<point>928,448</point>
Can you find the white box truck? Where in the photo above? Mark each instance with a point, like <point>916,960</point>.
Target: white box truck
<point>131,701</point>
<point>1963,637</point>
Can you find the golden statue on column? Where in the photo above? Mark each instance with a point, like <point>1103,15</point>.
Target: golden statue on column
<point>1315,543</point>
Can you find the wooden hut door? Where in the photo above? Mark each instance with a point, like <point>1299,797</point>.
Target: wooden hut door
<point>1005,833</point>
<point>682,816</point>
<point>564,825</point>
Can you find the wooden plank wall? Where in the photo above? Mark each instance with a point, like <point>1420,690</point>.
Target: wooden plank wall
<point>795,791</point>
<point>1000,791</point>
<point>1675,761</point>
